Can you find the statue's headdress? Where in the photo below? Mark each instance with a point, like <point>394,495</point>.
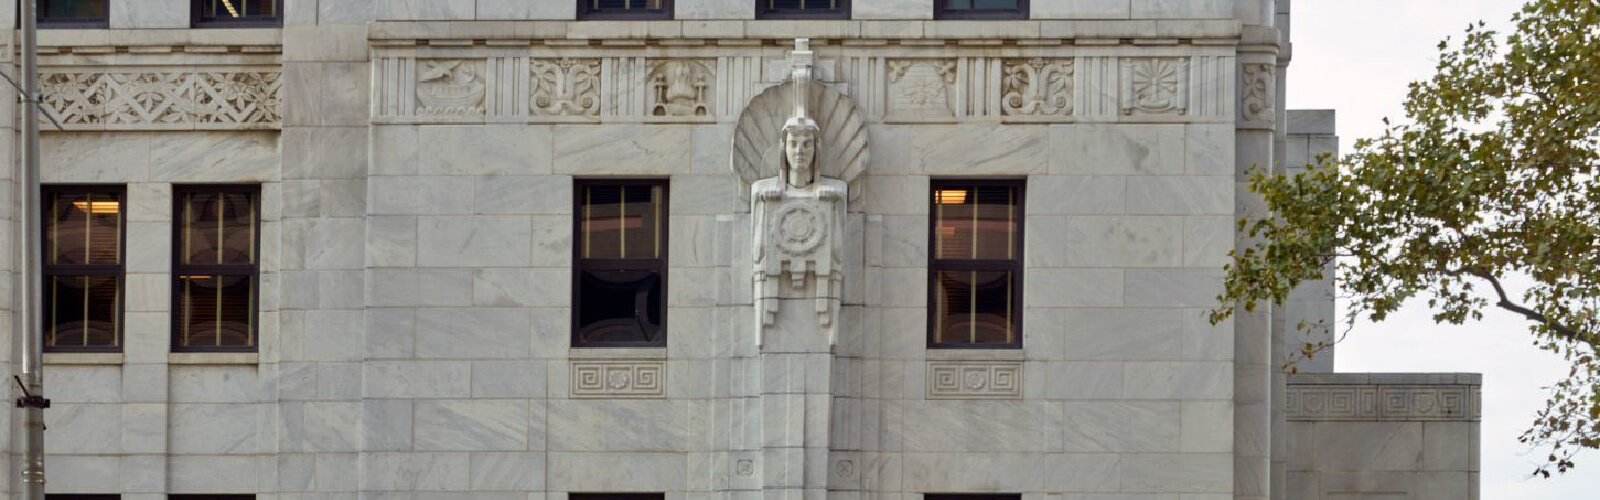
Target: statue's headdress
<point>801,76</point>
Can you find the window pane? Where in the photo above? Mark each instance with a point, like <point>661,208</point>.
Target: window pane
<point>980,4</point>
<point>218,228</point>
<point>214,311</point>
<point>72,10</point>
<point>238,10</point>
<point>973,307</point>
<point>621,222</point>
<point>975,222</point>
<point>619,306</point>
<point>624,4</point>
<point>81,311</point>
<point>83,228</point>
<point>802,4</point>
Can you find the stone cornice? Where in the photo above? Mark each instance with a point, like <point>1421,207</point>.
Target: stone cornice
<point>566,33</point>
<point>158,41</point>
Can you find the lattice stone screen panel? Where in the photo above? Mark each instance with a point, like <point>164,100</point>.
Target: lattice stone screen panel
<point>222,98</point>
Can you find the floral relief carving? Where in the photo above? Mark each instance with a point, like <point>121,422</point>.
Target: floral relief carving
<point>618,379</point>
<point>1155,85</point>
<point>450,87</point>
<point>1257,102</point>
<point>565,87</point>
<point>974,380</point>
<point>681,88</point>
<point>1037,87</point>
<point>920,88</point>
<point>214,99</point>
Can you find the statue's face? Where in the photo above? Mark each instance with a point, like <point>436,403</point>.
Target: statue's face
<point>800,148</point>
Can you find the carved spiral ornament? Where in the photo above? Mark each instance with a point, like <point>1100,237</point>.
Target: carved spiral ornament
<point>841,144</point>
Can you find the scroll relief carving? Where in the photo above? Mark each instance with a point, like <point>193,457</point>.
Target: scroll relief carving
<point>163,100</point>
<point>618,379</point>
<point>1037,87</point>
<point>450,87</point>
<point>1256,105</point>
<point>1155,86</point>
<point>565,87</point>
<point>974,379</point>
<point>681,87</point>
<point>1382,402</point>
<point>921,88</point>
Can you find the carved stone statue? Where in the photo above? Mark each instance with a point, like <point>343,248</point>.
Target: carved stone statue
<point>798,218</point>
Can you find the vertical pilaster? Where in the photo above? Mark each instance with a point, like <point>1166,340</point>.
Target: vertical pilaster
<point>1256,374</point>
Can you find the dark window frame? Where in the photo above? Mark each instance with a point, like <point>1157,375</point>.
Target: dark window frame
<point>180,269</point>
<point>120,269</point>
<point>82,496</point>
<point>1016,265</point>
<point>657,264</point>
<point>47,23</point>
<point>941,13</point>
<point>196,21</point>
<point>205,496</point>
<point>765,12</point>
<point>587,13</point>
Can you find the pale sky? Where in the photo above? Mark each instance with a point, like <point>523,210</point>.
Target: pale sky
<point>1356,56</point>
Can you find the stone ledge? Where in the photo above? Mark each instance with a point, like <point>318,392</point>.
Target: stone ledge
<point>188,40</point>
<point>622,353</point>
<point>83,358</point>
<point>213,358</point>
<point>977,354</point>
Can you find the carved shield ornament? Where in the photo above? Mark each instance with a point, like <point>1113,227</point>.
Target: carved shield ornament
<point>841,143</point>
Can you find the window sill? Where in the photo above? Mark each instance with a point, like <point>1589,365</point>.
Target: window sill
<point>1008,354</point>
<point>83,358</point>
<point>617,353</point>
<point>213,358</point>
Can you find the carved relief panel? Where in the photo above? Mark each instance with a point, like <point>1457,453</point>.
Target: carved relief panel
<point>450,87</point>
<point>619,379</point>
<point>1256,101</point>
<point>682,88</point>
<point>921,89</point>
<point>974,379</point>
<point>564,87</point>
<point>1155,86</point>
<point>1037,88</point>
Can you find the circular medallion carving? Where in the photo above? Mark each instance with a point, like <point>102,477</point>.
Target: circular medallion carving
<point>975,381</point>
<point>799,228</point>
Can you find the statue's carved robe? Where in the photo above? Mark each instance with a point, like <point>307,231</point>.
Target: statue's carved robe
<point>799,241</point>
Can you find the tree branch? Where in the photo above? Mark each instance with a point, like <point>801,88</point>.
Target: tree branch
<point>1505,302</point>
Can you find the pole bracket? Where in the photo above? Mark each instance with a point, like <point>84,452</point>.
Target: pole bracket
<point>29,400</point>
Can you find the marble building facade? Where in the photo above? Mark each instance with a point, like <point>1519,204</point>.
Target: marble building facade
<point>417,177</point>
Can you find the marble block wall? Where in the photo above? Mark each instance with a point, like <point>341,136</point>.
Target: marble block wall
<point>415,318</point>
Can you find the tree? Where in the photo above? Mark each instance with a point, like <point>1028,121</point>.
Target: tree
<point>1492,174</point>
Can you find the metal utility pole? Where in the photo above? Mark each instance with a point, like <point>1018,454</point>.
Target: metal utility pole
<point>32,379</point>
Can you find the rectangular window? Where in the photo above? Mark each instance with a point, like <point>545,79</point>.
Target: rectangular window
<point>211,497</point>
<point>802,9</point>
<point>82,268</point>
<point>975,274</point>
<point>214,269</point>
<point>624,9</point>
<point>980,9</point>
<point>238,13</point>
<point>621,264</point>
<point>972,496</point>
<point>616,496</point>
<point>72,13</point>
<point>64,496</point>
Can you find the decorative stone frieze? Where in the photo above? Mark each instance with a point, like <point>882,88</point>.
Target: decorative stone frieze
<point>921,89</point>
<point>974,379</point>
<point>1037,87</point>
<point>207,98</point>
<point>1155,86</point>
<point>1383,403</point>
<point>619,378</point>
<point>1256,102</point>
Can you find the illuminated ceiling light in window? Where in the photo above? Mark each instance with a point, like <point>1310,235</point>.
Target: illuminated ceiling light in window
<point>228,4</point>
<point>98,207</point>
<point>951,196</point>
